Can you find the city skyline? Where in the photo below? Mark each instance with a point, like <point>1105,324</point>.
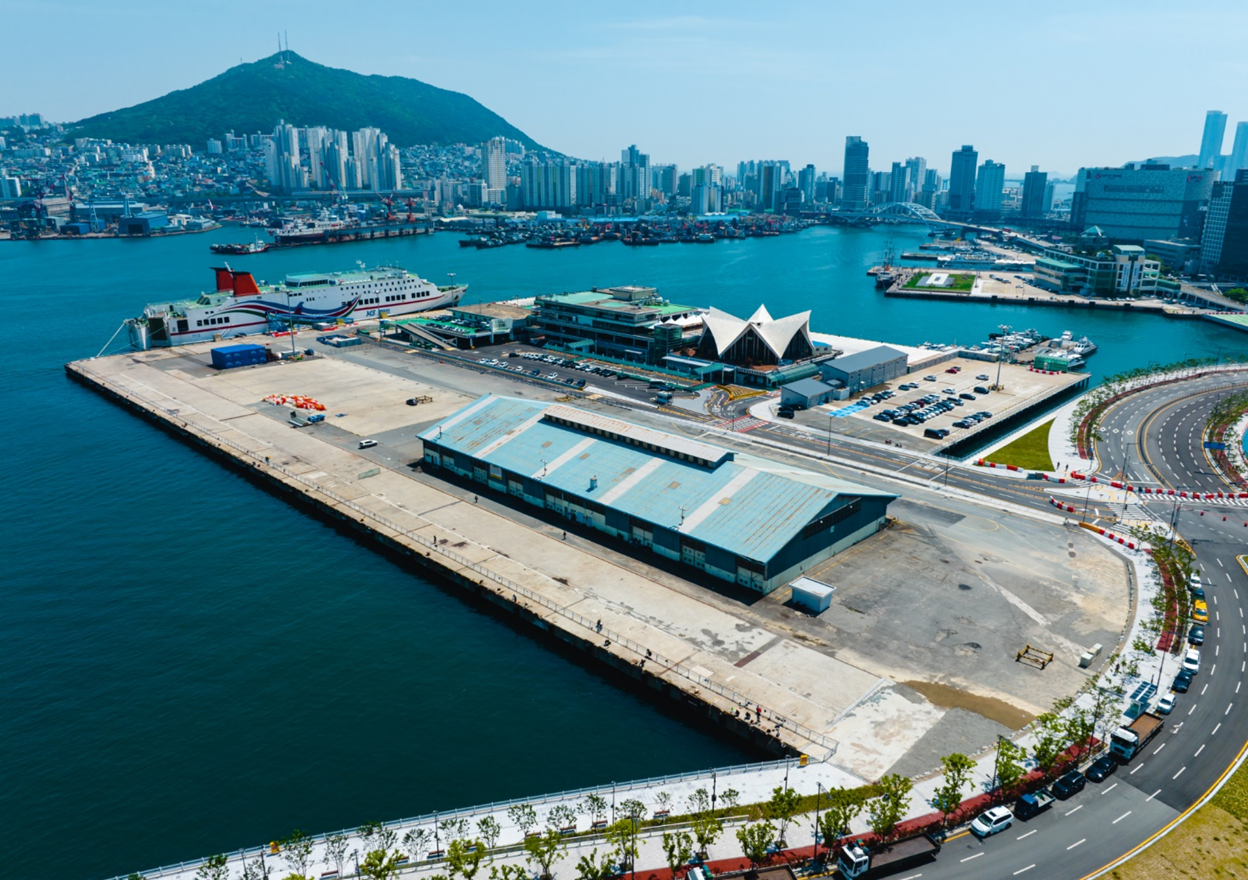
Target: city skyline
<point>794,98</point>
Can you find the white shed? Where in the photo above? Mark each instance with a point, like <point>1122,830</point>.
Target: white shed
<point>813,595</point>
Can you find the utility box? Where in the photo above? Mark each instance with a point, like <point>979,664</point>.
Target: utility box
<point>229,356</point>
<point>815,596</point>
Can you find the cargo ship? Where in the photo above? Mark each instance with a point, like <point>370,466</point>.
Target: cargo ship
<point>240,305</point>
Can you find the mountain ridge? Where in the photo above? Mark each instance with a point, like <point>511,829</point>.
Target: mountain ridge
<point>254,96</point>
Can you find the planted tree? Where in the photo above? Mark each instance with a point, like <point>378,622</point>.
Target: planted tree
<point>590,868</point>
<point>622,835</point>
<point>380,864</point>
<point>730,799</point>
<point>508,872</point>
<point>1051,741</point>
<point>844,805</point>
<point>416,840</point>
<point>543,850</point>
<point>256,869</point>
<point>214,868</point>
<point>706,829</point>
<point>594,806</point>
<point>378,836</point>
<point>523,816</point>
<point>454,829</point>
<point>889,808</point>
<point>678,848</point>
<point>490,831</point>
<point>1009,765</point>
<point>562,817</point>
<point>948,797</point>
<point>336,850</point>
<point>1080,725</point>
<point>463,858</point>
<point>756,840</point>
<point>782,808</point>
<point>297,852</point>
<point>663,801</point>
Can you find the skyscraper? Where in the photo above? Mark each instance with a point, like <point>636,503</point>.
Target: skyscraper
<point>917,169</point>
<point>856,179</point>
<point>1239,152</point>
<point>1211,141</point>
<point>635,176</point>
<point>282,159</point>
<point>770,186</point>
<point>1035,184</point>
<point>494,163</point>
<point>989,188</point>
<point>1224,242</point>
<point>962,181</point>
<point>898,183</point>
<point>806,183</point>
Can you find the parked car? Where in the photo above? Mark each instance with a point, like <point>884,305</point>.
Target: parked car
<point>929,378</point>
<point>1197,592</point>
<point>991,821</point>
<point>367,444</point>
<point>1166,704</point>
<point>1182,682</point>
<point>1200,611</point>
<point>1191,661</point>
<point>983,377</point>
<point>966,396</point>
<point>1069,784</point>
<point>1101,768</point>
<point>1196,635</point>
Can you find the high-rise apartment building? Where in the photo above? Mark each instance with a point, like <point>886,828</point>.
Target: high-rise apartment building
<point>1035,187</point>
<point>281,155</point>
<point>635,177</point>
<point>989,187</point>
<point>548,186</point>
<point>494,165</point>
<point>898,183</point>
<point>1141,201</point>
<point>806,183</point>
<point>916,169</point>
<point>770,186</point>
<point>1238,160</point>
<point>1211,140</point>
<point>856,178</point>
<point>962,181</point>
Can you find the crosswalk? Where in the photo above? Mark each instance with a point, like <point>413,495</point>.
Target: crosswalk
<point>742,424</point>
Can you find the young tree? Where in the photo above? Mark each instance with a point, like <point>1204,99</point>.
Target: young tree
<point>523,816</point>
<point>253,870</point>
<point>706,830</point>
<point>507,872</point>
<point>543,850</point>
<point>1051,741</point>
<point>948,797</point>
<point>297,852</point>
<point>214,868</point>
<point>590,868</point>
<point>562,817</point>
<point>783,807</point>
<point>885,811</point>
<point>463,858</point>
<point>378,836</point>
<point>454,829</point>
<point>756,840</point>
<point>336,850</point>
<point>699,802</point>
<point>380,864</point>
<point>678,848</point>
<point>843,806</point>
<point>730,799</point>
<point>1009,765</point>
<point>1080,725</point>
<point>416,840</point>
<point>490,831</point>
<point>622,835</point>
<point>594,806</point>
<point>663,802</point>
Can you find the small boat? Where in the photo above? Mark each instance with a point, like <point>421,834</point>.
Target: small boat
<point>239,250</point>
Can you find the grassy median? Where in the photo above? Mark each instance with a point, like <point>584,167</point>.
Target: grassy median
<point>1213,842</point>
<point>1030,451</point>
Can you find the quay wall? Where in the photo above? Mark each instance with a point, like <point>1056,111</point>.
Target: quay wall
<point>680,688</point>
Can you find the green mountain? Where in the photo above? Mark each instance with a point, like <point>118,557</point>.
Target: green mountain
<point>253,97</point>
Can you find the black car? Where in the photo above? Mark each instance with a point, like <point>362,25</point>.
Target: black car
<point>1182,682</point>
<point>1101,768</point>
<point>1196,635</point>
<point>882,417</point>
<point>1197,592</point>
<point>785,413</point>
<point>1069,784</point>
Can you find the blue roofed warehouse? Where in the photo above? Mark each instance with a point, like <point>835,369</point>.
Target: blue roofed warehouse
<point>750,520</point>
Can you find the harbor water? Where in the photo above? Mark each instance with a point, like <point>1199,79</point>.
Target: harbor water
<point>192,665</point>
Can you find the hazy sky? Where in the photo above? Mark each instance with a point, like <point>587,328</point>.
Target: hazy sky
<point>1058,84</point>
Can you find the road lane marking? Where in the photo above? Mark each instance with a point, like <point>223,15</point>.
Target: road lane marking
<point>1111,788</point>
<point>1180,773</point>
<point>1021,870</point>
<point>1029,833</point>
<point>977,855</point>
<point>1203,689</point>
<point>912,877</point>
<point>1220,564</point>
<point>1073,845</point>
<point>1228,709</point>
<point>1216,728</point>
<point>1215,650</point>
<point>1153,795</point>
<point>1199,750</point>
<point>1213,670</point>
<point>1237,684</point>
<point>1159,748</point>
<point>1136,770</point>
<point>1125,815</point>
<point>1235,591</point>
<point>1076,809</point>
<point>1191,710</point>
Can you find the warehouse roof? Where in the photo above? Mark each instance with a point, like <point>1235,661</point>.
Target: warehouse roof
<point>809,387</point>
<point>746,505</point>
<point>864,360</point>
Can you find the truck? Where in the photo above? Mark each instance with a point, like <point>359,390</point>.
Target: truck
<point>1127,742</point>
<point>857,860</point>
<point>1033,804</point>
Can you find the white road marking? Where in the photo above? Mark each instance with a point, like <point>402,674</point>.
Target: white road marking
<point>977,855</point>
<point>1216,729</point>
<point>1076,809</point>
<point>1203,689</point>
<point>1191,710</point>
<point>1215,650</point>
<point>1137,769</point>
<point>1220,563</point>
<point>1180,773</point>
<point>1125,815</point>
<point>1212,670</point>
<point>912,877</point>
<point>1028,834</point>
<point>1111,788</point>
<point>1228,709</point>
<point>1153,795</point>
<point>1199,750</point>
<point>1159,748</point>
<point>1021,870</point>
<point>1075,844</point>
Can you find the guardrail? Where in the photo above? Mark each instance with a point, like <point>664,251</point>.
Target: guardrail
<point>643,653</point>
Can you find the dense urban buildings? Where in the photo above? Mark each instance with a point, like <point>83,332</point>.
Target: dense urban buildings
<point>856,176</point>
<point>1142,201</point>
<point>1224,244</point>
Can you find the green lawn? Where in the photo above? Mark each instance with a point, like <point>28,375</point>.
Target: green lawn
<point>1030,451</point>
<point>960,282</point>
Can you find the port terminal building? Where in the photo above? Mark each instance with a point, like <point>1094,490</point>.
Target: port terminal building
<point>750,520</point>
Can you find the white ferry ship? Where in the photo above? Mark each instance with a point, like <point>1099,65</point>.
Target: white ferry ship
<point>240,305</point>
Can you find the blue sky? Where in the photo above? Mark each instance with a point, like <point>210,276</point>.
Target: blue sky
<point>1059,85</point>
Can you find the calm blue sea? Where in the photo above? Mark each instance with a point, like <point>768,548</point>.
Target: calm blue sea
<point>190,665</point>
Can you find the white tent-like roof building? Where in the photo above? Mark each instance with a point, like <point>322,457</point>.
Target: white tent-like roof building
<point>758,340</point>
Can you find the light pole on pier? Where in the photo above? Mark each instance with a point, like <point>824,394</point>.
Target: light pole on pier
<point>1005,330</point>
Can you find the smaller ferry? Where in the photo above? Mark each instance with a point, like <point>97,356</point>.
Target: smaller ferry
<point>240,250</point>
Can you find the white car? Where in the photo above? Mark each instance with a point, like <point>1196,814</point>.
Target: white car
<point>1191,661</point>
<point>991,821</point>
<point>1193,581</point>
<point>1166,704</point>
<point>367,444</point>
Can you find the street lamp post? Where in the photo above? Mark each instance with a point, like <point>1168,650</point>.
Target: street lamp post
<point>829,435</point>
<point>1005,329</point>
<point>818,799</point>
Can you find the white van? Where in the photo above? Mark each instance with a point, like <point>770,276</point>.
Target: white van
<point>1191,661</point>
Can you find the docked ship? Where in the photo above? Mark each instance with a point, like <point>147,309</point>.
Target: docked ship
<point>239,249</point>
<point>240,305</point>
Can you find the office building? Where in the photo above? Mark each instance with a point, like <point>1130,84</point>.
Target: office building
<point>705,506</point>
<point>1176,256</point>
<point>770,187</point>
<point>629,323</point>
<point>916,170</point>
<point>806,183</point>
<point>1035,191</point>
<point>1123,270</point>
<point>1211,140</point>
<point>1142,201</point>
<point>898,179</point>
<point>857,175</point>
<point>989,187</point>
<point>1224,244</point>
<point>1238,160</point>
<point>962,181</point>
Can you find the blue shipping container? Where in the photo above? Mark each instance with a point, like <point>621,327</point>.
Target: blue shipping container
<point>230,356</point>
